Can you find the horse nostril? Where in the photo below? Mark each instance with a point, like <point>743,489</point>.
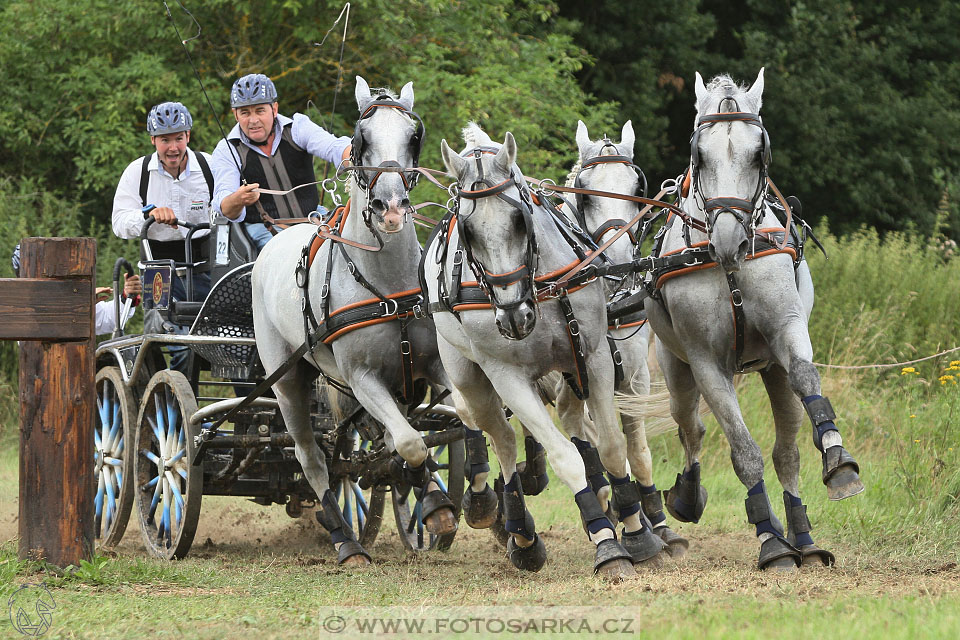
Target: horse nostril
<point>378,205</point>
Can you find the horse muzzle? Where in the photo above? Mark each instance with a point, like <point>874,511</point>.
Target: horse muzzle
<point>392,215</point>
<point>516,322</point>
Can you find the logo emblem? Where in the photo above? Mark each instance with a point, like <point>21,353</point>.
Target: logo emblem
<point>30,609</point>
<point>157,286</point>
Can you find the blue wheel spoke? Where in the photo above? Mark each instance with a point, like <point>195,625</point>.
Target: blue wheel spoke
<point>152,483</point>
<point>98,501</point>
<point>178,456</point>
<point>151,456</point>
<point>439,481</point>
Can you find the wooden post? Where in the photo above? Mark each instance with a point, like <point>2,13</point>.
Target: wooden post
<point>50,308</point>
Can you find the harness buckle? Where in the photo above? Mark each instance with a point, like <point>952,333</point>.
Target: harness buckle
<point>574,327</point>
<point>405,347</point>
<point>324,291</point>
<point>301,276</point>
<point>352,268</point>
<point>617,356</point>
<point>458,257</point>
<point>736,297</point>
<point>386,307</point>
<point>418,312</point>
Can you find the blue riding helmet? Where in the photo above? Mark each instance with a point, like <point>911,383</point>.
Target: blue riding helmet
<point>251,89</point>
<point>167,118</point>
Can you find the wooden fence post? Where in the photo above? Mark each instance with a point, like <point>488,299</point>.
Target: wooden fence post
<point>50,308</point>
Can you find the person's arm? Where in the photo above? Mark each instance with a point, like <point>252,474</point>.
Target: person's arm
<point>105,319</point>
<point>127,209</point>
<point>319,142</point>
<point>229,197</point>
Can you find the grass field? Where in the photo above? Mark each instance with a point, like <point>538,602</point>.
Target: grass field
<point>254,572</point>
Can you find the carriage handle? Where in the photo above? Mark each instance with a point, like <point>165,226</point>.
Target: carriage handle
<point>187,242</point>
<point>121,263</point>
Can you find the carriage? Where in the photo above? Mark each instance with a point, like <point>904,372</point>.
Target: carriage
<point>159,447</point>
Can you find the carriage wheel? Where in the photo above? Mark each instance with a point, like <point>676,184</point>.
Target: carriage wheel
<point>169,487</point>
<point>113,441</point>
<point>363,510</point>
<point>406,506</point>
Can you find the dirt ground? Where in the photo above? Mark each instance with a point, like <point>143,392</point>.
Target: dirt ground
<point>233,528</point>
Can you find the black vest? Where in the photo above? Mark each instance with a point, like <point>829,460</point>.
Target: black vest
<point>288,167</point>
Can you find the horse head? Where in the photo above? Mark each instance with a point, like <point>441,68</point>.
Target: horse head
<point>729,154</point>
<point>495,222</point>
<point>605,165</point>
<point>388,135</point>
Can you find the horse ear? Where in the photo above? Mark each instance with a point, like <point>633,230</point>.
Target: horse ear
<point>583,138</point>
<point>627,137</point>
<point>406,96</point>
<point>700,88</point>
<point>454,163</point>
<point>507,155</point>
<point>362,93</point>
<point>756,92</point>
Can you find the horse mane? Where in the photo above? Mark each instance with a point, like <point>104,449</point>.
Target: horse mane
<point>572,176</point>
<point>474,136</point>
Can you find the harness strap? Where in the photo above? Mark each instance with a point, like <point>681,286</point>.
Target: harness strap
<point>617,363</point>
<point>580,386</point>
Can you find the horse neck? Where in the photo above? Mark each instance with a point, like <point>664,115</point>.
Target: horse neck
<point>553,250</point>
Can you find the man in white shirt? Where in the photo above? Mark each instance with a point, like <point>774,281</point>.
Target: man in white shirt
<point>276,152</point>
<point>175,183</point>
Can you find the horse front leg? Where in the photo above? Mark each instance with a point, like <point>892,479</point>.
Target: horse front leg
<point>519,393</point>
<point>438,512</point>
<point>717,388</point>
<point>644,545</point>
<point>792,350</point>
<point>293,392</point>
<point>787,417</point>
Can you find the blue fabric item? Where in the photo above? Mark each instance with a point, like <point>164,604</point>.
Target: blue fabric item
<point>658,517</point>
<point>757,488</point>
<point>594,526</point>
<point>802,538</point>
<point>822,428</point>
<point>629,510</point>
<point>337,536</point>
<point>597,480</point>
<point>179,353</point>
<point>259,234</point>
<point>765,526</point>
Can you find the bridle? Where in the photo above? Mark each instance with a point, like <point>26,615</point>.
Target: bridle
<point>590,163</point>
<point>525,272</point>
<point>360,171</point>
<point>748,213</point>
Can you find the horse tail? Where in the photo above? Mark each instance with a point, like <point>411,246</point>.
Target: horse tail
<point>341,404</point>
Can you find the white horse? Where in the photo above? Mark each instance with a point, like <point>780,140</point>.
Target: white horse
<point>604,165</point>
<point>503,241</point>
<point>370,360</point>
<point>749,314</point>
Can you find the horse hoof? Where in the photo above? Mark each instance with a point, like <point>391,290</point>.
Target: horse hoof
<point>645,547</point>
<point>677,545</point>
<point>530,558</point>
<point>613,561</point>
<point>814,556</point>
<point>776,554</point>
<point>351,554</point>
<point>617,570</point>
<point>441,522</point>
<point>844,483</point>
<point>841,474</point>
<point>658,561</point>
<point>480,508</point>
<point>499,531</point>
<point>680,510</point>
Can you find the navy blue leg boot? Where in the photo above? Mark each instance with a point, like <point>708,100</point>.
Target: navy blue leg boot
<point>652,505</point>
<point>533,470</point>
<point>436,509</point>
<point>330,516</point>
<point>611,559</point>
<point>775,553</point>
<point>479,507</point>
<point>498,529</point>
<point>841,473</point>
<point>520,522</point>
<point>798,533</point>
<point>591,463</point>
<point>687,499</point>
<point>644,545</point>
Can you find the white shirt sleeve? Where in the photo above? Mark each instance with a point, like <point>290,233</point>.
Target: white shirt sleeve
<point>226,176</point>
<point>105,319</point>
<point>318,141</point>
<point>127,207</point>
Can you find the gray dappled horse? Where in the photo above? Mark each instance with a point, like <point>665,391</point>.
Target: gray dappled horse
<point>496,356</point>
<point>604,165</point>
<point>749,314</point>
<point>367,359</point>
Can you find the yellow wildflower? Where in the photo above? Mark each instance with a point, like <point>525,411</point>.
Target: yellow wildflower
<point>907,370</point>
<point>917,441</point>
<point>953,367</point>
<point>913,415</point>
<point>955,363</point>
